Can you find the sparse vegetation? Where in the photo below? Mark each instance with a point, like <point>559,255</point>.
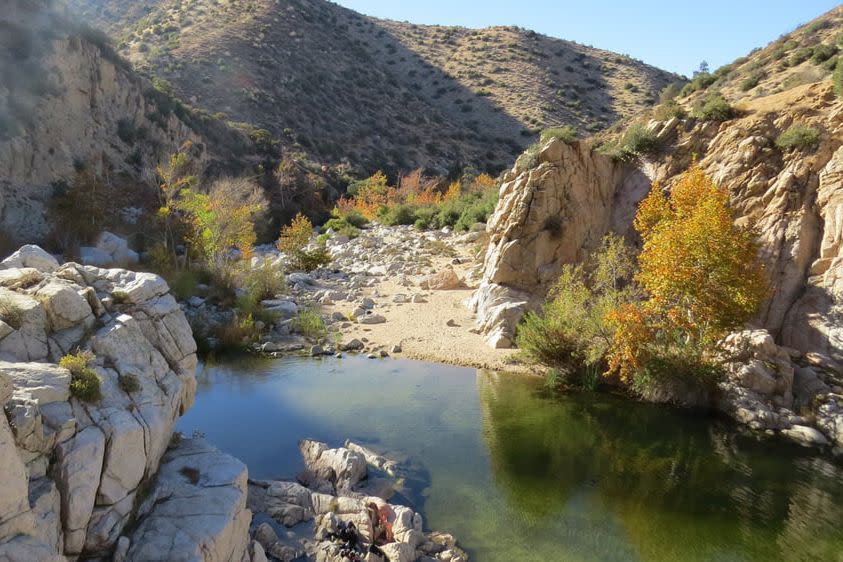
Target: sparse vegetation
<point>85,383</point>
<point>308,322</point>
<point>798,137</point>
<point>129,383</point>
<point>11,313</point>
<point>714,108</point>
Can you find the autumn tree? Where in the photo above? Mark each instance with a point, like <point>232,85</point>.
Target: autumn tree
<point>294,240</point>
<point>699,270</point>
<point>222,219</point>
<point>174,176</point>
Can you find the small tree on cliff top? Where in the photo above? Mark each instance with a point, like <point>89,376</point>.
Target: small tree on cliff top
<point>700,271</point>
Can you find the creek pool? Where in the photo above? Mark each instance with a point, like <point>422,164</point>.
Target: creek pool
<point>517,474</point>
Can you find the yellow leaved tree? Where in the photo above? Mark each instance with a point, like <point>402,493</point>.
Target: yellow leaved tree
<point>699,270</point>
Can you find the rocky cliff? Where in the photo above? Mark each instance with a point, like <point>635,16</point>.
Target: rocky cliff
<point>557,211</point>
<point>67,101</point>
<point>75,471</point>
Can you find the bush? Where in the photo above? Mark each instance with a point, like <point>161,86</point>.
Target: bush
<point>640,140</point>
<point>11,313</point>
<point>236,336</point>
<point>714,108</point>
<point>129,383</point>
<point>798,137</point>
<point>398,214</point>
<point>263,282</point>
<point>822,53</point>
<point>309,323</point>
<point>570,333</point>
<point>85,383</point>
<point>293,242</point>
<point>566,134</point>
<point>751,81</point>
<point>668,110</point>
<point>837,77</point>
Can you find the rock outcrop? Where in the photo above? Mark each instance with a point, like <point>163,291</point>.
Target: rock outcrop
<point>768,386</point>
<point>73,470</point>
<point>549,215</point>
<point>558,210</point>
<point>196,509</point>
<point>332,495</point>
<point>68,101</point>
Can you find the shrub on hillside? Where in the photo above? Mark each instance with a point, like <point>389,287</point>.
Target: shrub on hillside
<point>566,134</point>
<point>837,77</point>
<point>798,137</point>
<point>823,52</point>
<point>85,383</point>
<point>714,108</point>
<point>668,110</point>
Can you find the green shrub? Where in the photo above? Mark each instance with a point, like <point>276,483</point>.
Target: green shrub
<point>308,322</point>
<point>700,82</point>
<point>263,282</point>
<point>640,140</point>
<point>822,53</point>
<point>129,383</point>
<point>85,383</point>
<point>678,373</point>
<point>11,313</point>
<point>668,110</point>
<point>566,134</point>
<point>570,332</point>
<point>714,108</point>
<point>837,77</point>
<point>398,214</point>
<point>340,226</point>
<point>308,260</point>
<point>751,81</point>
<point>798,137</point>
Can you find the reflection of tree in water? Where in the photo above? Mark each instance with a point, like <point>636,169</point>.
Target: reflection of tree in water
<point>680,486</point>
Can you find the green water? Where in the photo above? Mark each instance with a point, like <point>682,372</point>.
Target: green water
<point>519,475</point>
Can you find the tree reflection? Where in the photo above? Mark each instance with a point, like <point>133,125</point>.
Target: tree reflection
<point>679,486</point>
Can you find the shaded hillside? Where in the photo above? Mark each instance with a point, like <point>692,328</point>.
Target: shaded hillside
<point>69,104</point>
<point>345,87</point>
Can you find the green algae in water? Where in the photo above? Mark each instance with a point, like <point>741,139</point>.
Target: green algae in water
<point>517,474</point>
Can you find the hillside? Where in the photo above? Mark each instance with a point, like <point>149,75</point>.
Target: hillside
<point>803,56</point>
<point>71,107</point>
<point>345,87</point>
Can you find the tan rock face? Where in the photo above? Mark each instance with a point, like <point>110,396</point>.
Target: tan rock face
<point>548,216</point>
<point>793,198</point>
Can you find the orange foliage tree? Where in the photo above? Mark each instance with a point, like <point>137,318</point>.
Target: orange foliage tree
<point>700,271</point>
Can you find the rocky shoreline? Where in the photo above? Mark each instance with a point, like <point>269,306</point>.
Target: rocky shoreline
<point>107,478</point>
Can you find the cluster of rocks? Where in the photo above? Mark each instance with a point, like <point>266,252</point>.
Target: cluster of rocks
<point>337,487</point>
<point>777,389</point>
<point>351,286</point>
<point>73,470</point>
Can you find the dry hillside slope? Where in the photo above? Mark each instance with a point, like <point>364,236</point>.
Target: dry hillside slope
<point>345,87</point>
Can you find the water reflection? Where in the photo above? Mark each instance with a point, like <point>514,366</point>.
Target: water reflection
<point>682,488</point>
<point>520,475</point>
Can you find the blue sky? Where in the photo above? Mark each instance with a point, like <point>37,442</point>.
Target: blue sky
<point>673,35</point>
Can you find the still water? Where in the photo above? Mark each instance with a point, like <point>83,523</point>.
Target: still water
<point>517,474</point>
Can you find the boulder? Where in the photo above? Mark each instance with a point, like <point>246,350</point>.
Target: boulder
<point>444,280</point>
<point>90,255</point>
<point>196,510</point>
<point>31,256</point>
